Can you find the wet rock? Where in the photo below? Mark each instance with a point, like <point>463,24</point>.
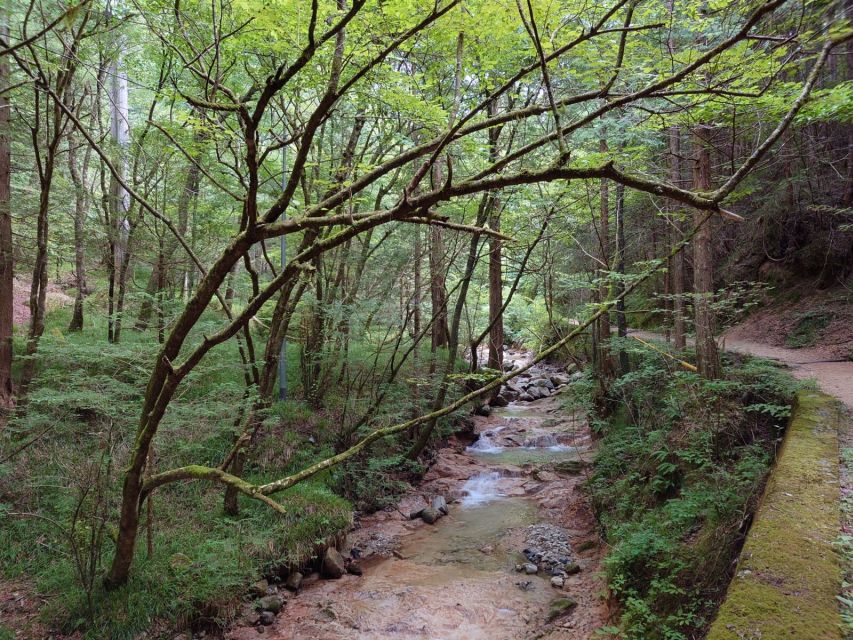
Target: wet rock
<point>354,569</point>
<point>569,467</point>
<point>557,582</point>
<point>267,618</point>
<point>513,386</point>
<point>509,365</point>
<point>530,569</point>
<point>414,515</point>
<point>333,564</point>
<point>294,581</point>
<point>558,379</point>
<point>440,504</point>
<point>509,395</point>
<point>561,606</point>
<point>525,397</point>
<point>271,603</point>
<point>499,401</point>
<point>483,410</point>
<point>430,515</point>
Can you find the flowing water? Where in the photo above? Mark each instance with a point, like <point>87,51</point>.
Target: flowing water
<point>457,579</point>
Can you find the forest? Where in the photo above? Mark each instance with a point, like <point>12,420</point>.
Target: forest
<point>426,319</point>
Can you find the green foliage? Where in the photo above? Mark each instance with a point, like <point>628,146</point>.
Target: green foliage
<point>681,462</point>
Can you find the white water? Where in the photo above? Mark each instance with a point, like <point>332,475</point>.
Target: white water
<point>481,489</point>
<point>545,442</point>
<point>485,444</point>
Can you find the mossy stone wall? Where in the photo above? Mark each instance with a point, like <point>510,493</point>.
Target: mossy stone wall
<point>788,575</point>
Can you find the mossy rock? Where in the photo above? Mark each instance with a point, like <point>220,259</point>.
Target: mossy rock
<point>788,575</point>
<point>561,606</point>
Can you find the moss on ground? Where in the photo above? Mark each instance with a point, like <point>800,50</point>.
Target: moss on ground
<point>788,575</point>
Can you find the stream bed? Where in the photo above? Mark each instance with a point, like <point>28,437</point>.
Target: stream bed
<point>464,577</point>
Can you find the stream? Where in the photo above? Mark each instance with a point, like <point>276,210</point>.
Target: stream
<point>515,488</point>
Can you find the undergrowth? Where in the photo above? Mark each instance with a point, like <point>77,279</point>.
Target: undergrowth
<point>678,474</point>
<point>61,466</point>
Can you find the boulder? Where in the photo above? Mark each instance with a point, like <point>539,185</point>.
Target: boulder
<point>530,568</point>
<point>499,401</point>
<point>294,581</point>
<point>525,397</point>
<point>354,569</point>
<point>414,515</point>
<point>259,589</point>
<point>271,603</point>
<point>557,582</point>
<point>267,618</point>
<point>483,410</point>
<point>509,394</point>
<point>561,606</point>
<point>333,564</point>
<point>430,515</point>
<point>440,505</point>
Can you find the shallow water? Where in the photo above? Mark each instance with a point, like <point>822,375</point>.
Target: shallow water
<point>457,579</point>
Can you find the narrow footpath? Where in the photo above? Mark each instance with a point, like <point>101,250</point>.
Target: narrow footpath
<point>834,377</point>
<point>516,556</point>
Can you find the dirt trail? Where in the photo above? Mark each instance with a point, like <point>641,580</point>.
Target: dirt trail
<point>833,377</point>
<point>459,579</point>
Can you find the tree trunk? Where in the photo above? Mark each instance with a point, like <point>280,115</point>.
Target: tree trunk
<point>602,334</point>
<point>496,333</point>
<point>708,359</point>
<point>78,178</point>
<point>6,247</point>
<point>119,199</point>
<point>621,322</point>
<point>677,262</point>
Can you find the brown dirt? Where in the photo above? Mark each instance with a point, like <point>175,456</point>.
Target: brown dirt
<point>54,299</point>
<point>772,325</point>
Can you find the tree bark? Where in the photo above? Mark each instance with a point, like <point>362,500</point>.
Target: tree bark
<point>78,178</point>
<point>707,357</point>
<point>496,333</point>
<point>6,247</point>
<point>677,261</point>
<point>621,322</point>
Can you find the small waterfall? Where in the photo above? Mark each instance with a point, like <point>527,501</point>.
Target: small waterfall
<point>547,441</point>
<point>485,443</point>
<point>481,489</point>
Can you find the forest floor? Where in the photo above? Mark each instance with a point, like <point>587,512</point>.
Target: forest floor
<point>517,488</point>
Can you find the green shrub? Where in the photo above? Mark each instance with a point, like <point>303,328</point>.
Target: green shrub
<point>681,464</point>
